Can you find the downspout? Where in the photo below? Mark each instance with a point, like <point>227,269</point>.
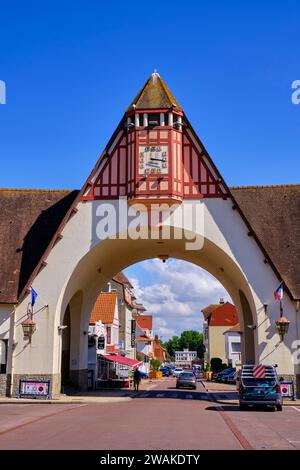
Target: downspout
<point>12,348</point>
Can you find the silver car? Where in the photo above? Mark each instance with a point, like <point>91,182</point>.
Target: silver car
<point>186,379</point>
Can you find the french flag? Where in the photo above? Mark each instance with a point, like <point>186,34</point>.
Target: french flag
<point>278,294</point>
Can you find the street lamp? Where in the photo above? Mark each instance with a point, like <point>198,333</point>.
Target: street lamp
<point>29,325</point>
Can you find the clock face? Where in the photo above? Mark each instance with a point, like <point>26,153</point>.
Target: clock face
<point>153,159</point>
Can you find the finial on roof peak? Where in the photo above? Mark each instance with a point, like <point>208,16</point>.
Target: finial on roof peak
<point>155,75</point>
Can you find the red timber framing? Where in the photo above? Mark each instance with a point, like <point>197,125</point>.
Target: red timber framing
<point>190,173</point>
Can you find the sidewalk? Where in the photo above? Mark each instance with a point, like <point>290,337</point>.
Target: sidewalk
<point>93,396</point>
<point>228,395</point>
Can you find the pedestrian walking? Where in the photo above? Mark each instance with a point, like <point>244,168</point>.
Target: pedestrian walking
<point>136,379</point>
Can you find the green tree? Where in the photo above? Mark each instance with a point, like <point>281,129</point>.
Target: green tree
<point>172,345</point>
<point>192,340</point>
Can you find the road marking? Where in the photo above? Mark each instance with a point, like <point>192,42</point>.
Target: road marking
<point>295,408</point>
<point>235,431</point>
<point>160,395</point>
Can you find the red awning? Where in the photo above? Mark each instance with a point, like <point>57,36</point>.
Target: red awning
<point>122,360</point>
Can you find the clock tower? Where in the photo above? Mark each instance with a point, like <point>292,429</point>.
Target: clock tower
<point>154,154</point>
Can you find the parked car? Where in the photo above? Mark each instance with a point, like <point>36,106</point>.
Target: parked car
<point>218,376</point>
<point>237,378</point>
<point>186,379</point>
<point>177,371</point>
<point>144,375</point>
<point>229,377</point>
<point>259,387</point>
<point>198,374</point>
<point>165,371</point>
<point>171,368</point>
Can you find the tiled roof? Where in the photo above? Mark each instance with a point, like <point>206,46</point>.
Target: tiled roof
<point>234,329</point>
<point>122,279</point>
<point>104,308</point>
<point>144,322</point>
<point>221,314</point>
<point>274,215</point>
<point>154,95</point>
<point>28,220</point>
<point>209,309</point>
<point>143,338</point>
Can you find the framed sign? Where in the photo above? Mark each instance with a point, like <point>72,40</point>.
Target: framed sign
<point>287,389</point>
<point>37,388</point>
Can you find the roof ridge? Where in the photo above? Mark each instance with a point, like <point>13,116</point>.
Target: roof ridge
<point>38,190</point>
<point>265,186</point>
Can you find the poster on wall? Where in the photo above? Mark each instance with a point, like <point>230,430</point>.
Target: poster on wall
<point>30,389</point>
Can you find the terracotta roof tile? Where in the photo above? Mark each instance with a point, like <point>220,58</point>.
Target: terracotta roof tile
<point>122,279</point>
<point>221,314</point>
<point>234,329</point>
<point>104,308</point>
<point>144,321</point>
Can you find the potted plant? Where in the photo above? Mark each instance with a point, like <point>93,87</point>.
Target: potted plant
<point>154,369</point>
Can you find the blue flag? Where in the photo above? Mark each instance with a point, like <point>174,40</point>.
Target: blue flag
<point>33,296</point>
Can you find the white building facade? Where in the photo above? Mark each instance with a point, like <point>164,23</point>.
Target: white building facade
<point>185,358</point>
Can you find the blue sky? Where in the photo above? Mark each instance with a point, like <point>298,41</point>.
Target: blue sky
<point>71,69</point>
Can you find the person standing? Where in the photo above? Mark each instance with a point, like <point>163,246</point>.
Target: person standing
<point>136,379</point>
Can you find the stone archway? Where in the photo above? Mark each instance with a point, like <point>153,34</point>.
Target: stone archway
<point>98,267</point>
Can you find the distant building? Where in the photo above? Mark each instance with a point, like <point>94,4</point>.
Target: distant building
<point>159,352</point>
<point>233,345</point>
<point>103,333</point>
<point>218,318</point>
<point>126,305</point>
<point>144,337</point>
<point>185,357</point>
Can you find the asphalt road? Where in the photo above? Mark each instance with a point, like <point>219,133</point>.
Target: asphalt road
<point>160,419</point>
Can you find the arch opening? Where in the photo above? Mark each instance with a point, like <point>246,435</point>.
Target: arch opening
<point>105,260</point>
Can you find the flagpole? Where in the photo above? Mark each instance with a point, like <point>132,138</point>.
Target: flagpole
<point>281,309</point>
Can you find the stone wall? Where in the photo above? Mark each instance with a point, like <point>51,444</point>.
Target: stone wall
<point>54,382</point>
<point>3,385</point>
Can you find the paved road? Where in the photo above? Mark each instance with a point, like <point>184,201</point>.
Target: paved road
<point>159,419</point>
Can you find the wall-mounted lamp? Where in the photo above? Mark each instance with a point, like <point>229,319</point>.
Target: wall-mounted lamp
<point>29,325</point>
<point>282,326</point>
<point>163,257</point>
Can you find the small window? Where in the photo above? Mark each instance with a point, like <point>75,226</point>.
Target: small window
<point>236,347</point>
<point>109,335</point>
